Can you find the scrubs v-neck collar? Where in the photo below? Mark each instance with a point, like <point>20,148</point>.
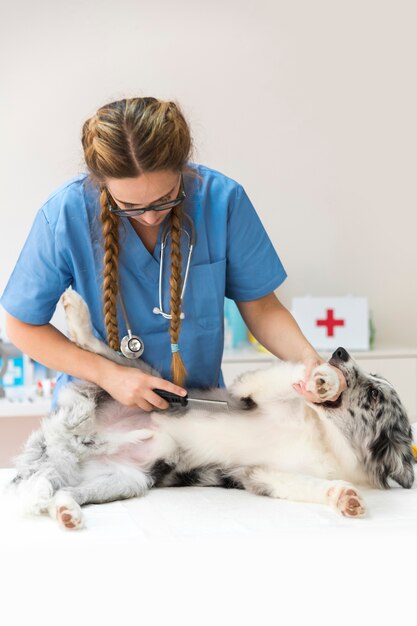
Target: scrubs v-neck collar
<point>134,253</point>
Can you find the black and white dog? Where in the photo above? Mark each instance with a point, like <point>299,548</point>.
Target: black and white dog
<point>92,449</point>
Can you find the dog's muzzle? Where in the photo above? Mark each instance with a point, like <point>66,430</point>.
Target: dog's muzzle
<point>340,359</point>
<point>339,356</point>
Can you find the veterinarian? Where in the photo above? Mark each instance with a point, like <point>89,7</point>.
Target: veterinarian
<point>101,232</point>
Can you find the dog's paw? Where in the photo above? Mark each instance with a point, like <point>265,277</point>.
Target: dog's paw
<point>77,316</point>
<point>345,499</point>
<point>324,382</point>
<point>74,305</point>
<point>67,512</point>
<point>247,389</point>
<point>69,518</point>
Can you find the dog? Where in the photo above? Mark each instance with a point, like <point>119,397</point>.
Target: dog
<point>272,442</point>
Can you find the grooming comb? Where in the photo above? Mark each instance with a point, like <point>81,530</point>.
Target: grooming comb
<point>214,406</point>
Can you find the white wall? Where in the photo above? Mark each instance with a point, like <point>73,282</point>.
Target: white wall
<point>310,105</point>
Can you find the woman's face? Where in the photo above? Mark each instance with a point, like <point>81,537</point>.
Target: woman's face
<point>144,190</point>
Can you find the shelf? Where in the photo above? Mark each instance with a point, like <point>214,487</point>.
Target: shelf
<point>249,353</point>
<point>241,359</point>
<point>24,409</point>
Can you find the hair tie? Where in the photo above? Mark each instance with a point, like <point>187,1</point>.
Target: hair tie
<point>174,347</point>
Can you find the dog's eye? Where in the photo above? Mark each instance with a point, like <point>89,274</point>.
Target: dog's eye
<point>373,394</point>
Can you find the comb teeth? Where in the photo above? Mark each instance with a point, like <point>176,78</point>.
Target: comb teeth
<point>213,406</point>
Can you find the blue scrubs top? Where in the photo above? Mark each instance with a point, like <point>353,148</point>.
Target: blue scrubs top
<point>233,257</point>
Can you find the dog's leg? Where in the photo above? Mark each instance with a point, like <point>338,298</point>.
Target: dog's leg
<point>66,510</point>
<point>76,408</point>
<point>81,332</point>
<point>272,383</point>
<point>342,496</point>
<point>33,494</point>
<point>112,442</point>
<point>80,327</point>
<point>276,383</point>
<point>103,482</point>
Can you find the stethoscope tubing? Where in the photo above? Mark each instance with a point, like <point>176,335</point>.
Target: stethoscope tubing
<point>131,339</point>
<point>191,240</point>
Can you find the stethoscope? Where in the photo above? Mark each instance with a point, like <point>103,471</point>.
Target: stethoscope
<point>132,346</point>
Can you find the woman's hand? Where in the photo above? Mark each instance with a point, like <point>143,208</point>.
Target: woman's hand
<point>128,385</point>
<point>310,363</point>
<point>131,386</point>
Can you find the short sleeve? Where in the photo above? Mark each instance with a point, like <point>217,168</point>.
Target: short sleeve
<point>39,277</point>
<point>253,266</point>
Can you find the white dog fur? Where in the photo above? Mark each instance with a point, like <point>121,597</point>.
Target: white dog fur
<point>272,442</point>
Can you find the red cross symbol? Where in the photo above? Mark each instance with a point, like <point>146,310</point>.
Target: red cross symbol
<point>330,322</point>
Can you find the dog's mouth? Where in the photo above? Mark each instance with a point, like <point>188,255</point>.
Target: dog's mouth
<point>332,404</point>
<point>336,404</point>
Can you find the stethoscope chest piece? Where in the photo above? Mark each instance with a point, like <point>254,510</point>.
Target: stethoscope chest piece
<point>131,346</point>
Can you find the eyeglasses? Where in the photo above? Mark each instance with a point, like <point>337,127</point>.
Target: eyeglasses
<point>164,206</point>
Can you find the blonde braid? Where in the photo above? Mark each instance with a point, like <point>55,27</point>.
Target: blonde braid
<point>110,224</point>
<point>125,139</point>
<point>177,366</point>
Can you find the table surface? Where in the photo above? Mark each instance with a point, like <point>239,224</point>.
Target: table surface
<point>213,556</point>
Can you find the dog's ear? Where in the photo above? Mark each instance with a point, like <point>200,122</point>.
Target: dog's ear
<point>404,474</point>
<point>391,457</point>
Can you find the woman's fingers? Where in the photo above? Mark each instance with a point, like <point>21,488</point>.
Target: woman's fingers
<point>310,364</point>
<point>157,401</point>
<point>300,388</point>
<point>132,387</point>
<point>166,385</point>
<point>143,404</point>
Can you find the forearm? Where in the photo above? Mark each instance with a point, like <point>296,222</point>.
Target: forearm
<point>276,329</point>
<point>47,345</point>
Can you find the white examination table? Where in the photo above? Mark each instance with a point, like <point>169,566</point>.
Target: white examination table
<point>194,555</point>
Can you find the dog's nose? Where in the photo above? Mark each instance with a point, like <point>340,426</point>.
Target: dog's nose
<point>341,355</point>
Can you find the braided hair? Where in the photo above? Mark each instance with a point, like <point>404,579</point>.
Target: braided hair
<point>125,139</point>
